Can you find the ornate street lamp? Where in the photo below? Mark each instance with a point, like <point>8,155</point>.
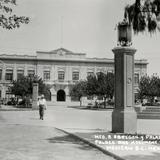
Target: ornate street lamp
<point>124,34</point>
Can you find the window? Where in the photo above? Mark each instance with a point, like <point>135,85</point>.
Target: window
<point>9,75</point>
<point>20,73</point>
<point>136,78</point>
<point>90,74</point>
<point>46,75</point>
<point>31,73</point>
<point>0,74</point>
<point>75,76</point>
<point>61,75</point>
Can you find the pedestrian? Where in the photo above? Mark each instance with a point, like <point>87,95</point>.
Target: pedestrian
<point>42,106</point>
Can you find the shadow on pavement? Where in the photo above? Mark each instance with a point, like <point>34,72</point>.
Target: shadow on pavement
<point>154,156</point>
<point>69,139</point>
<point>36,118</point>
<point>91,108</point>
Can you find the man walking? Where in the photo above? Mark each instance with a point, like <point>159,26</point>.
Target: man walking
<point>42,106</point>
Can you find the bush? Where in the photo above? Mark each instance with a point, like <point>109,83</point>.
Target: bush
<point>22,102</point>
<point>110,102</point>
<point>11,102</point>
<point>150,104</point>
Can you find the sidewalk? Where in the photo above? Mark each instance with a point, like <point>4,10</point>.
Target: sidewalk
<point>121,146</point>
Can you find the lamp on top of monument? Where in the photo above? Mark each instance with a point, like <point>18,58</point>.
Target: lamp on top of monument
<point>124,33</point>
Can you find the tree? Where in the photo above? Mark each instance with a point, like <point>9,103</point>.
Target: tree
<point>101,85</point>
<point>110,85</point>
<point>149,87</point>
<point>143,15</point>
<point>154,90</point>
<point>8,20</point>
<point>24,85</point>
<point>78,90</point>
<point>92,85</point>
<point>144,87</point>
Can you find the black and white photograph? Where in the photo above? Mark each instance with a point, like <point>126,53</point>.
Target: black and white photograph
<point>79,79</point>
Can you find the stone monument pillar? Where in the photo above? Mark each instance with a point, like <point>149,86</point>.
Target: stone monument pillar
<point>35,96</point>
<point>124,117</point>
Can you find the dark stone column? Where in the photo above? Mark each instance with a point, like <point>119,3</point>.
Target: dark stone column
<point>124,117</point>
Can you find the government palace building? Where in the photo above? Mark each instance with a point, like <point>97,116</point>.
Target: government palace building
<point>59,68</point>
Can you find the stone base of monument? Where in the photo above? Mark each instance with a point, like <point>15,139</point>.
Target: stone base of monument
<point>124,117</point>
<point>35,96</point>
<point>151,112</point>
<point>124,121</point>
<point>35,106</point>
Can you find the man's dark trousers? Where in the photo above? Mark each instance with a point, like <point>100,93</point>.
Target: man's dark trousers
<point>41,111</point>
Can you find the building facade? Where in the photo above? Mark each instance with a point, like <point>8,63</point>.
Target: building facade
<point>59,68</point>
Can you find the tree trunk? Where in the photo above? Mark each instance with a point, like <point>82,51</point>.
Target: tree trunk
<point>80,100</point>
<point>105,102</point>
<point>152,100</point>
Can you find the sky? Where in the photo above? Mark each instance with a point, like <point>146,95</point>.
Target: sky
<point>83,26</point>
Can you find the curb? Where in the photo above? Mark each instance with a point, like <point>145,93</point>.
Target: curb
<point>93,145</point>
<point>15,109</point>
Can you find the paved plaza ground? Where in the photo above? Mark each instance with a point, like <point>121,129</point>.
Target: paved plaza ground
<point>24,136</point>
<point>75,119</point>
<point>23,142</point>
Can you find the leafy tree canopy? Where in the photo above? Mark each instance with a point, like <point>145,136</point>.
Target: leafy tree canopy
<point>143,15</point>
<point>8,20</point>
<point>96,85</point>
<point>144,86</point>
<point>149,87</point>
<point>24,85</point>
<point>78,90</point>
<point>101,85</point>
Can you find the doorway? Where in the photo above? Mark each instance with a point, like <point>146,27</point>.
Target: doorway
<point>61,96</point>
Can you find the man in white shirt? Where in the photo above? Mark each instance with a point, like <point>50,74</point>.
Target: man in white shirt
<point>42,106</point>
